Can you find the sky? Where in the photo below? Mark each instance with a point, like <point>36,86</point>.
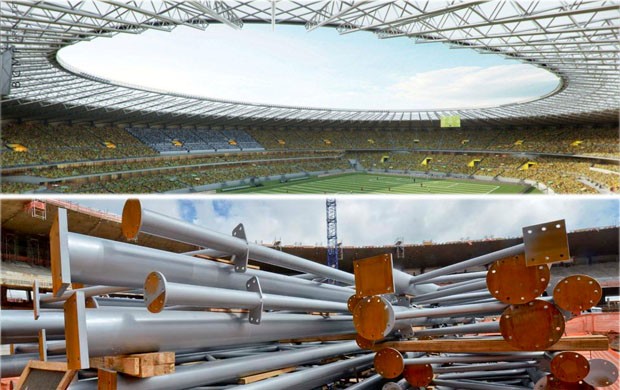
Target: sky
<point>377,220</point>
<point>289,66</point>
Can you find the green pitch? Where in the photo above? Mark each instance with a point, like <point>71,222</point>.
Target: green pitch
<point>365,183</point>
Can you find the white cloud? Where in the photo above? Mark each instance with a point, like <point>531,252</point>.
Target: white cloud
<point>474,86</point>
<point>379,221</point>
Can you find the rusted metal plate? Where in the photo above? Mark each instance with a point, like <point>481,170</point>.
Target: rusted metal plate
<point>389,363</point>
<point>534,326</point>
<point>546,243</point>
<point>577,292</point>
<point>132,219</point>
<point>352,302</point>
<point>155,292</point>
<point>373,317</point>
<point>570,367</point>
<point>602,373</point>
<point>364,343</point>
<point>373,276</point>
<point>510,280</point>
<point>550,382</point>
<point>418,375</point>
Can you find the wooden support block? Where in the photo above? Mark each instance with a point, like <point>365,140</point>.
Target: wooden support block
<point>265,375</point>
<point>578,343</point>
<point>59,253</point>
<point>106,379</point>
<point>75,331</point>
<point>141,365</point>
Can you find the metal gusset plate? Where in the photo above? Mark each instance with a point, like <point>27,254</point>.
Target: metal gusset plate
<point>546,243</point>
<point>373,318</point>
<point>240,260</point>
<point>418,375</point>
<point>534,326</point>
<point>510,280</point>
<point>373,276</point>
<point>570,366</point>
<point>256,313</point>
<point>389,363</point>
<point>577,292</point>
<point>602,373</point>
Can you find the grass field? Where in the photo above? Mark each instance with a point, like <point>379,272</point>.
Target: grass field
<point>365,183</point>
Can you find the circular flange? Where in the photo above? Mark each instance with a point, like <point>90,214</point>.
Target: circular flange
<point>534,326</point>
<point>352,302</point>
<point>418,375</point>
<point>510,280</point>
<point>550,382</point>
<point>570,366</point>
<point>373,318</point>
<point>389,363</point>
<point>132,219</point>
<point>577,292</point>
<point>155,292</point>
<point>602,373</point>
<point>364,343</point>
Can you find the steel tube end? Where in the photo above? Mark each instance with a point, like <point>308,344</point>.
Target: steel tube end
<point>155,292</point>
<point>132,219</point>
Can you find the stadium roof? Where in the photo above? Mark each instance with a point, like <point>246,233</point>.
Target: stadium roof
<point>576,40</point>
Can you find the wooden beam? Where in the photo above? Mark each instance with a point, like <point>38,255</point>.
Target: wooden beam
<point>142,365</point>
<point>259,377</point>
<point>577,343</point>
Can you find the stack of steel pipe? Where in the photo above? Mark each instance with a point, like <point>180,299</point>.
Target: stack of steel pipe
<point>226,320</point>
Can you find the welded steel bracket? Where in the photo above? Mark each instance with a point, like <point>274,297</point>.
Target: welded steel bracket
<point>546,243</point>
<point>75,332</point>
<point>240,261</point>
<point>36,299</point>
<point>256,313</point>
<point>373,276</point>
<point>59,253</point>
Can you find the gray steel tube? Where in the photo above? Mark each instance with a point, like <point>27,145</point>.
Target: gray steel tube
<point>475,358</point>
<point>483,327</point>
<point>228,369</point>
<point>473,286</point>
<point>312,377</point>
<point>13,365</point>
<point>158,293</point>
<point>471,296</point>
<point>476,385</point>
<point>451,310</point>
<point>137,219</point>
<point>368,383</point>
<point>136,331</point>
<point>483,374</point>
<point>454,278</point>
<point>475,262</point>
<point>484,367</point>
<point>98,261</point>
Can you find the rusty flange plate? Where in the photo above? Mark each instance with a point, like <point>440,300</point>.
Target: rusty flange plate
<point>577,292</point>
<point>510,280</point>
<point>550,382</point>
<point>389,363</point>
<point>132,219</point>
<point>155,292</point>
<point>373,276</point>
<point>418,375</point>
<point>364,343</point>
<point>373,318</point>
<point>546,243</point>
<point>570,366</point>
<point>602,373</point>
<point>533,326</point>
<point>352,302</point>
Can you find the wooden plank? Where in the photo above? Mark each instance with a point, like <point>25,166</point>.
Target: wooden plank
<point>52,381</point>
<point>578,343</point>
<point>75,331</point>
<point>141,365</point>
<point>106,379</point>
<point>259,377</point>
